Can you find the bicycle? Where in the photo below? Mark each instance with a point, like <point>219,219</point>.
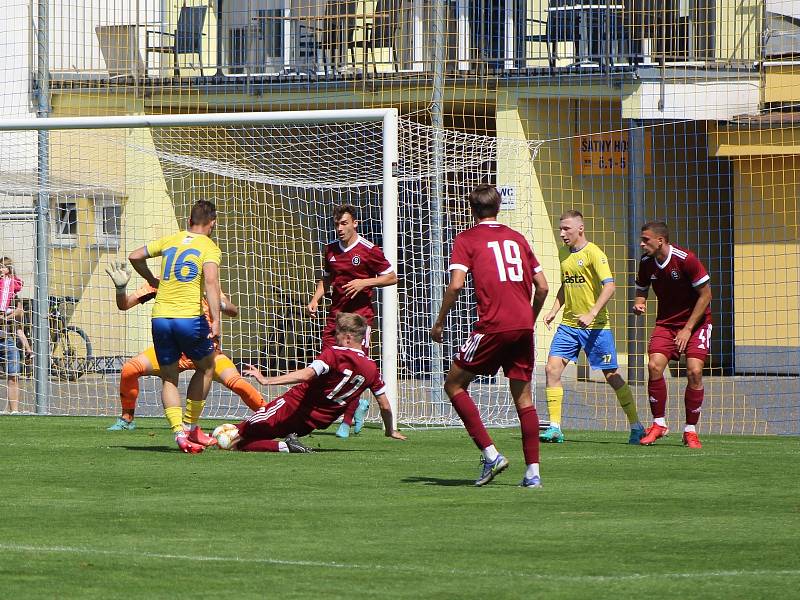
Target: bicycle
<point>70,347</point>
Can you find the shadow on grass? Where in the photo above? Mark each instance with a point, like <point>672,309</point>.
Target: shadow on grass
<point>150,448</point>
<point>440,481</point>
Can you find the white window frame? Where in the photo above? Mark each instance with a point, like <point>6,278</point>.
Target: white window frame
<point>58,237</point>
<point>102,238</point>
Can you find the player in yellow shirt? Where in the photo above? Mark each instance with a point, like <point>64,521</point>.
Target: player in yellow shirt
<point>586,287</point>
<point>190,267</point>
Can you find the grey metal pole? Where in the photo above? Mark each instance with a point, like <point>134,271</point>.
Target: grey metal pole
<point>437,199</point>
<point>42,208</point>
<point>636,212</point>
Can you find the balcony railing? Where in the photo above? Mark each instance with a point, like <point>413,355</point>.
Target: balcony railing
<point>341,38</point>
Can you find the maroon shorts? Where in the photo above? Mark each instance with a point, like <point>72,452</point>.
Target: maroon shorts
<point>329,336</point>
<point>662,341</point>
<point>276,420</point>
<point>485,353</point>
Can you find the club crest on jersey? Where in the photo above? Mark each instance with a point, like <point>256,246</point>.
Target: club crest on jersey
<point>580,263</point>
<point>356,260</point>
<point>675,275</point>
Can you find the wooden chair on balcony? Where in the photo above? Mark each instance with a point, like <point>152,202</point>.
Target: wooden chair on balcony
<point>186,39</point>
<point>380,32</point>
<point>333,32</point>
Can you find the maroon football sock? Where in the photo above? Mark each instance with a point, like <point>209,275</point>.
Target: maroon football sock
<point>259,446</point>
<point>529,424</point>
<point>693,400</point>
<point>657,391</point>
<point>469,414</point>
<point>349,414</point>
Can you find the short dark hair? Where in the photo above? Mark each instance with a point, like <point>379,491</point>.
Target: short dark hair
<point>203,212</point>
<point>351,323</point>
<point>571,214</point>
<point>343,209</point>
<point>484,201</point>
<point>658,227</point>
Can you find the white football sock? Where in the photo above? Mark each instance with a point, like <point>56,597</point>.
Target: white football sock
<point>660,421</point>
<point>490,453</point>
<point>532,471</point>
<point>690,428</point>
<point>282,447</point>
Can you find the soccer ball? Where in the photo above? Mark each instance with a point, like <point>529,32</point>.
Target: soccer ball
<point>226,435</point>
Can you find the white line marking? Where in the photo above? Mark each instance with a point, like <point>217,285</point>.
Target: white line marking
<point>398,567</point>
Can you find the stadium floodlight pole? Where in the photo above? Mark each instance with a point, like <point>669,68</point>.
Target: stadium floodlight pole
<point>41,325</point>
<point>389,119</point>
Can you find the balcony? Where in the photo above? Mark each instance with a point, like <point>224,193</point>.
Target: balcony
<point>269,41</point>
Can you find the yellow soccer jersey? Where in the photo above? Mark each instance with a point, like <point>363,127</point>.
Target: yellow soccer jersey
<point>583,274</point>
<point>180,291</point>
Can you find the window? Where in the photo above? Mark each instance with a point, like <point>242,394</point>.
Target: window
<point>108,221</point>
<point>65,223</point>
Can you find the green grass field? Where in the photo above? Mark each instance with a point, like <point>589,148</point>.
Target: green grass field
<point>86,513</point>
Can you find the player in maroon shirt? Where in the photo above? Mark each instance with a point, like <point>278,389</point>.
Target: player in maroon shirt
<point>505,274</point>
<point>683,325</point>
<point>321,393</point>
<point>352,267</point>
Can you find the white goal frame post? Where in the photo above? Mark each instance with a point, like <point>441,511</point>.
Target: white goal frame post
<point>387,116</point>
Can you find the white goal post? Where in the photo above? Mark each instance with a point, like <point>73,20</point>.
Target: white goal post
<point>388,119</point>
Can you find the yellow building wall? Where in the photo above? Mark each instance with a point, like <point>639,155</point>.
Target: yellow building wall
<point>554,186</point>
<point>767,232</point>
<point>136,179</point>
<point>782,84</point>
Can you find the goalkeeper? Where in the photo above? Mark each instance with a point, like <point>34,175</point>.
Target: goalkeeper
<point>143,364</point>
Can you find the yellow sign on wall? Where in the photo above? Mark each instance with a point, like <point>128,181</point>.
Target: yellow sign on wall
<point>607,154</point>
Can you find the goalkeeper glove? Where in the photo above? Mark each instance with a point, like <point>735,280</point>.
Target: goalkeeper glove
<point>120,275</point>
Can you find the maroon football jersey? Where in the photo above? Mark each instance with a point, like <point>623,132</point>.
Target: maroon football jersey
<point>502,265</point>
<point>360,260</point>
<point>342,376</point>
<point>675,283</point>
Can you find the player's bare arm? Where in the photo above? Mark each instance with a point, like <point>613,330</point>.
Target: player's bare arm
<point>357,285</point>
<point>227,307</point>
<point>551,315</point>
<point>322,288</point>
<point>299,376</point>
<point>540,291</point>
<point>605,295</point>
<point>703,300</point>
<point>388,418</point>
<point>138,259</point>
<point>457,280</point>
<point>639,306</point>
<point>213,293</point>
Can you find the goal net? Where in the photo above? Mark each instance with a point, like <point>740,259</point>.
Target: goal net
<point>78,196</point>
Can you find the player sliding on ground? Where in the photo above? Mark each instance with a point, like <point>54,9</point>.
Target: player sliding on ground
<point>683,325</point>
<point>190,267</point>
<point>146,363</point>
<point>320,394</point>
<point>505,274</point>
